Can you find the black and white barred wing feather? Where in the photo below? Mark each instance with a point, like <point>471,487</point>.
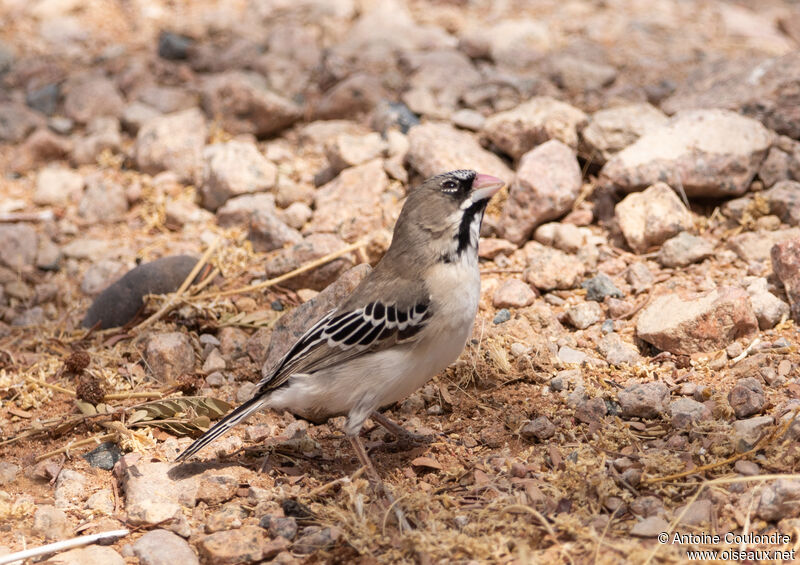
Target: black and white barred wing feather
<point>335,338</point>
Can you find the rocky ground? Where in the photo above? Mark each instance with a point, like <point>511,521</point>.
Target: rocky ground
<point>634,366</point>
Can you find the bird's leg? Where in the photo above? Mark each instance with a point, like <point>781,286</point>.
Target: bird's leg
<point>405,439</point>
<point>376,482</point>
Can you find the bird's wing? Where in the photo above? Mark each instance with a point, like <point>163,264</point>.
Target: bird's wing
<point>343,334</point>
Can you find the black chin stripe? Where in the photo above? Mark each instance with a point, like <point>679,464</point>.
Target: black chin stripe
<point>466,220</point>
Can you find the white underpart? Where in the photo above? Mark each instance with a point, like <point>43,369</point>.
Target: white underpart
<point>371,381</point>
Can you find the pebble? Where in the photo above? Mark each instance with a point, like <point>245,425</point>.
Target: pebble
<point>786,265</point>
<point>708,322</point>
<point>152,496</point>
<point>685,412</point>
<point>779,500</point>
<point>684,249</point>
<point>746,433</point>
<point>173,46</point>
<point>650,527</point>
<point>160,547</point>
<point>695,514</point>
<point>535,122</point>
<point>616,351</point>
<point>8,473</point>
<point>513,293</point>
<point>90,96</point>
<point>17,121</point>
<point>101,502</point>
<point>747,397</point>
<point>550,269</point>
<point>584,315</point>
<point>315,539</point>
<point>232,169</point>
<point>600,287</point>
<point>546,185</point>
<point>279,526</point>
<point>56,186</point>
<point>70,489</point>
<point>747,468</point>
<point>103,201</point>
<point>241,545</point>
<point>651,217</point>
<point>644,400</point>
<point>169,355</point>
<point>18,245</point>
<point>92,555</point>
<point>710,153</point>
<point>613,129</point>
<point>268,233</point>
<point>173,142</point>
<point>51,523</point>
<point>768,308</point>
<point>502,316</point>
<point>540,428</point>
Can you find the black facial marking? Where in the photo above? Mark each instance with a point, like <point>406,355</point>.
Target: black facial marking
<point>466,221</point>
<point>456,183</point>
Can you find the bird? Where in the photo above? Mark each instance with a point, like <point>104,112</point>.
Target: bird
<point>407,320</point>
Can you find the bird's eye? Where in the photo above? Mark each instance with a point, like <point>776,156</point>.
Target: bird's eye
<point>449,185</point>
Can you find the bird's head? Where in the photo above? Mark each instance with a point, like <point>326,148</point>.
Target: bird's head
<point>445,213</point>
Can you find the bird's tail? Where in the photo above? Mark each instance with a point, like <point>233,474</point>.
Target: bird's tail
<point>234,417</point>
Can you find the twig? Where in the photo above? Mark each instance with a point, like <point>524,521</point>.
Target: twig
<point>127,395</point>
<point>51,386</point>
<point>61,546</point>
<point>181,289</point>
<point>95,439</point>
<point>286,276</point>
<point>746,351</point>
<point>44,216</point>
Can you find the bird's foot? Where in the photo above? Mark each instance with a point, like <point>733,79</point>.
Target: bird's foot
<point>404,440</point>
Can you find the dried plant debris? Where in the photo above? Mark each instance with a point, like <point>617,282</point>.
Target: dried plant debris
<point>181,416</point>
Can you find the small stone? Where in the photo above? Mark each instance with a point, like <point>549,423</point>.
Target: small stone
<point>214,489</point>
<point>710,153</point>
<point>70,489</point>
<point>347,150</point>
<point>268,233</point>
<point>91,96</point>
<point>585,314</point>
<point>540,428</point>
<point>160,547</point>
<point>640,277</point>
<point>566,237</point>
<point>513,293</point>
<point>18,244</point>
<point>245,105</point>
<point>173,142</point>
<point>92,555</point>
<point>102,134</point>
<point>104,201</point>
<point>784,201</point>
<point>616,351</point>
<point>101,502</point>
<point>242,545</point>
<point>173,46</point>
<point>280,526</point>
<point>214,362</point>
<point>315,540</point>
<point>768,308</point>
<point>42,147</point>
<point>747,397</point>
<point>239,210</point>
<point>695,514</point>
<point>747,468</point>
<point>232,169</point>
<point>591,410</point>
<point>502,316</point>
<point>786,264</point>
<point>708,322</point>
<point>685,412</point>
<point>51,523</point>
<point>612,130</point>
<point>490,247</point>
<point>297,215</point>
<point>600,287</point>
<point>535,122</point>
<point>550,269</point>
<point>17,121</point>
<point>547,182</point>
<point>645,400</point>
<point>8,473</point>
<point>651,217</point>
<point>753,247</point>
<point>468,119</point>
<point>358,93</point>
<point>746,433</point>
<point>779,500</point>
<point>152,496</point>
<point>56,186</point>
<point>169,355</point>
<point>650,527</point>
<point>684,249</point>
<point>435,147</point>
